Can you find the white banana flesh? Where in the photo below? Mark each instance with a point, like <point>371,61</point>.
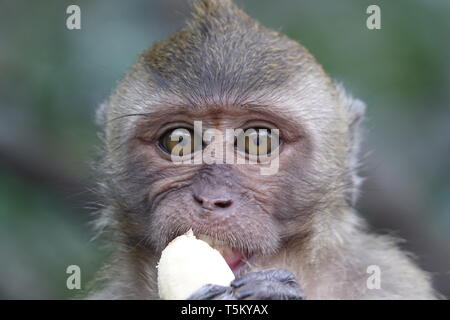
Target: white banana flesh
<point>187,264</point>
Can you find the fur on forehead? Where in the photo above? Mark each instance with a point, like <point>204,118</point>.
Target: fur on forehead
<point>224,53</point>
<point>224,57</point>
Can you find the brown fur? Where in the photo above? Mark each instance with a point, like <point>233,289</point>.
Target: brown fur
<point>224,68</point>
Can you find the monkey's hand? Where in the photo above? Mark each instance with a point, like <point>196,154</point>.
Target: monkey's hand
<point>272,284</point>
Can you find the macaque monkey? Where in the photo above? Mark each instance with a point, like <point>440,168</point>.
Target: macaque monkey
<point>292,234</point>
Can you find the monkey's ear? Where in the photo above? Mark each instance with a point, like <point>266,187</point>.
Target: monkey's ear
<point>101,114</point>
<point>355,109</point>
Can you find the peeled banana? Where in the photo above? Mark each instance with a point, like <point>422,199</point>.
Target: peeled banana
<point>187,264</point>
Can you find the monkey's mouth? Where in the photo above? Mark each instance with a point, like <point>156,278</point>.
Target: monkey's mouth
<point>236,259</point>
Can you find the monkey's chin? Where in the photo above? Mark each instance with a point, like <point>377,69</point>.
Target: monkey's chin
<point>236,260</point>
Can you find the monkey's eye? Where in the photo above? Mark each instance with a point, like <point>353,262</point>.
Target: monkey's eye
<point>178,142</point>
<point>257,141</point>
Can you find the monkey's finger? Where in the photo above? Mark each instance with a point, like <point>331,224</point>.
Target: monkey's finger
<point>268,290</point>
<point>209,292</point>
<point>285,293</point>
<point>280,275</point>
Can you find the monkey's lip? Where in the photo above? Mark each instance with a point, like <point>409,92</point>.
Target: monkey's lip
<point>233,257</point>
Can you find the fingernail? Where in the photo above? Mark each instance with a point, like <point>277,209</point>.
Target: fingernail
<point>243,294</point>
<point>236,283</point>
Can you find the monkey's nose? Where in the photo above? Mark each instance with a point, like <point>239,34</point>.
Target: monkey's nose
<point>213,203</point>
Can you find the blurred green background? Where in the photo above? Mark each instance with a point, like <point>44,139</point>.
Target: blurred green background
<point>52,79</point>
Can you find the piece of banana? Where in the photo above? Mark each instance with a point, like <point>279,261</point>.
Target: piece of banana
<point>187,264</point>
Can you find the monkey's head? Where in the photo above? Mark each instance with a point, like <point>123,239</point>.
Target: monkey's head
<point>229,72</point>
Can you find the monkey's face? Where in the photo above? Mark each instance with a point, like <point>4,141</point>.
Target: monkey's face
<point>228,75</point>
<point>230,204</point>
